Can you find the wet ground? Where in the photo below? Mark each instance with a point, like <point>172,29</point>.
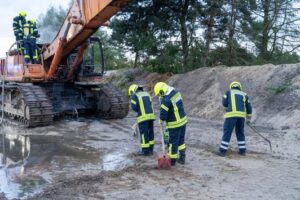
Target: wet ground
<point>95,159</point>
<point>34,158</point>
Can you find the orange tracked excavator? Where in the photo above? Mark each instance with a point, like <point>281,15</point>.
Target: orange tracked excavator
<point>69,78</point>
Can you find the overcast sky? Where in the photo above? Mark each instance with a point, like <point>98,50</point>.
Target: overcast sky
<point>10,8</point>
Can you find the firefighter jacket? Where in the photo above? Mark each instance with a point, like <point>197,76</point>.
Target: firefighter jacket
<point>141,103</point>
<point>27,31</point>
<point>172,110</point>
<point>18,24</point>
<point>34,30</point>
<point>237,104</point>
<point>30,30</point>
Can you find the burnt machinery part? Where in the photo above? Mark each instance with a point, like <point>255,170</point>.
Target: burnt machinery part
<point>84,99</point>
<point>27,105</point>
<point>30,105</point>
<point>112,103</point>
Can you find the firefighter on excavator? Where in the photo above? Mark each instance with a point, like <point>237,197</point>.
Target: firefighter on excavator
<point>30,34</point>
<point>238,108</point>
<point>141,103</point>
<point>172,113</point>
<point>18,26</point>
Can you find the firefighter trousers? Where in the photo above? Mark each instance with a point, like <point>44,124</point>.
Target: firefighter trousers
<point>177,137</point>
<point>20,44</point>
<point>147,136</point>
<point>30,52</point>
<point>229,125</point>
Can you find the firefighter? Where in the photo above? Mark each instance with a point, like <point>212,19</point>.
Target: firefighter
<point>18,25</point>
<point>35,34</point>
<point>141,103</point>
<point>172,113</point>
<point>238,108</point>
<point>29,36</point>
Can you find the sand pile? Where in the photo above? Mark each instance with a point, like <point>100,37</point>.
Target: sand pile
<point>273,90</point>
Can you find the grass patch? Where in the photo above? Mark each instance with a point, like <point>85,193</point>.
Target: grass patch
<point>282,88</point>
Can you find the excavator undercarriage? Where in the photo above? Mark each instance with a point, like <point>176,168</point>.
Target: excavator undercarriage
<point>32,105</point>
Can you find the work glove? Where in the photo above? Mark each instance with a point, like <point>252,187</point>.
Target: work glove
<point>248,119</point>
<point>135,129</point>
<point>166,136</point>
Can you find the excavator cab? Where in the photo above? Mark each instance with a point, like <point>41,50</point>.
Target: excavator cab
<point>92,65</point>
<point>93,60</point>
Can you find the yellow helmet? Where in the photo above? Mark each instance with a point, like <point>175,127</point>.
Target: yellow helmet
<point>22,13</point>
<point>33,21</point>
<point>132,89</point>
<point>161,89</point>
<point>235,84</point>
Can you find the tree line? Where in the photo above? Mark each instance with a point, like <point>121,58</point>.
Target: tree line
<point>182,35</point>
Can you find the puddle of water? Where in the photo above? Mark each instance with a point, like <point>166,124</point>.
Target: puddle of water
<point>116,161</point>
<point>30,161</point>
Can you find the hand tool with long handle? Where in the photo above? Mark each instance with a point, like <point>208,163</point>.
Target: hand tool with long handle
<point>258,133</point>
<point>135,129</point>
<point>164,161</point>
<point>162,139</point>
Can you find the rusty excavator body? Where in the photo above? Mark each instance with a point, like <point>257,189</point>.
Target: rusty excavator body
<point>69,78</point>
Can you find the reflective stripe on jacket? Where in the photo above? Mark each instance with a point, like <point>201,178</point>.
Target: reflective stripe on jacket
<point>18,24</point>
<point>237,104</point>
<point>26,30</point>
<point>30,30</point>
<point>141,103</point>
<point>34,31</point>
<point>172,110</point>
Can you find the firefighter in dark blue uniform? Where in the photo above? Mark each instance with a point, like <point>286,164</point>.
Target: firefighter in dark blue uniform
<point>238,108</point>
<point>173,114</point>
<point>34,35</point>
<point>30,34</point>
<point>141,103</point>
<point>18,25</point>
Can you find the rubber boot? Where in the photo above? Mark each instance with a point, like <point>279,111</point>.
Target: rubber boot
<point>151,149</point>
<point>181,159</point>
<point>27,60</point>
<point>144,152</point>
<point>220,153</point>
<point>173,162</point>
<point>242,153</point>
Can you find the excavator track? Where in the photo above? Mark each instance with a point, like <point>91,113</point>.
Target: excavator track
<point>112,103</point>
<point>27,105</point>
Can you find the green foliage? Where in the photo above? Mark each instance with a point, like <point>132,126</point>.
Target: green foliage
<point>124,78</point>
<point>50,22</point>
<point>282,88</point>
<point>168,60</point>
<point>221,54</point>
<point>181,35</point>
<point>284,57</point>
<point>114,55</point>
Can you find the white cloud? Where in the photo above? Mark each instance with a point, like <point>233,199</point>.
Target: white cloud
<point>10,8</point>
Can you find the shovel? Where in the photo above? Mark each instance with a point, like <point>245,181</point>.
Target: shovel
<point>163,162</point>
